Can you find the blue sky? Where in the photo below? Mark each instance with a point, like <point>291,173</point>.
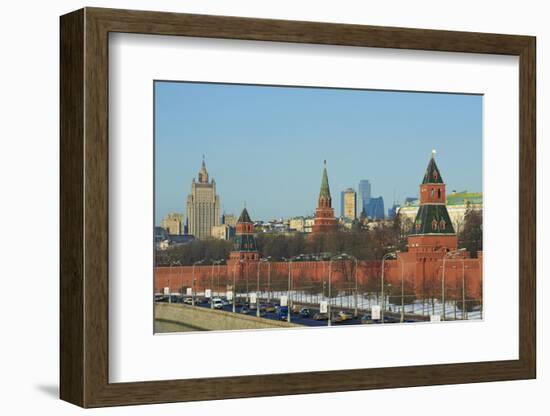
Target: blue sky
<point>265,145</point>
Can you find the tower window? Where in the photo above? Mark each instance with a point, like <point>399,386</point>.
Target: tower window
<point>434,224</point>
<point>439,193</point>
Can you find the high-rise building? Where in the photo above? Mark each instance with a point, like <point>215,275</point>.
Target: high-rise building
<point>324,214</point>
<point>349,210</point>
<point>364,195</point>
<point>203,205</point>
<point>173,223</point>
<point>375,208</point>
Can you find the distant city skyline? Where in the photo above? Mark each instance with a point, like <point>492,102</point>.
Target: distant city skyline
<point>265,145</point>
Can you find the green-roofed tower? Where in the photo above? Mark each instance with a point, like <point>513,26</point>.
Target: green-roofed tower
<point>432,219</point>
<point>244,243</point>
<point>324,214</point>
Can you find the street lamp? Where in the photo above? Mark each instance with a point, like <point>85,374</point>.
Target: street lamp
<point>193,281</point>
<point>268,261</point>
<point>329,309</point>
<point>218,284</point>
<point>402,291</point>
<point>289,283</point>
<point>262,260</point>
<point>449,254</point>
<point>288,287</point>
<point>235,281</point>
<point>214,262</point>
<point>383,299</point>
<point>349,256</point>
<point>181,278</point>
<point>169,282</point>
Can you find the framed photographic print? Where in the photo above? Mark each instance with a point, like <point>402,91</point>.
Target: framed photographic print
<point>243,199</point>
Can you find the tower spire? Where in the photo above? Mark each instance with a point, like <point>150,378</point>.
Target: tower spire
<point>203,173</point>
<point>325,189</point>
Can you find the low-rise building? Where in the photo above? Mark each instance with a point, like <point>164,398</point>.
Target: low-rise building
<point>457,205</point>
<point>229,219</point>
<point>297,224</point>
<point>173,223</point>
<point>308,224</point>
<point>222,232</point>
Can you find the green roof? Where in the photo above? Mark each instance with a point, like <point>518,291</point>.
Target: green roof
<point>432,174</point>
<point>432,219</point>
<point>244,217</point>
<point>325,189</point>
<point>463,198</point>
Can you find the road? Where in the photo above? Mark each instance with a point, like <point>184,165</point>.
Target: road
<point>389,317</point>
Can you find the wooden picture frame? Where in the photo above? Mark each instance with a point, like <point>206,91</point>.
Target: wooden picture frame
<point>84,207</point>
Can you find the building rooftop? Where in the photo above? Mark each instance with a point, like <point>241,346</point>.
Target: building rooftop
<point>463,198</point>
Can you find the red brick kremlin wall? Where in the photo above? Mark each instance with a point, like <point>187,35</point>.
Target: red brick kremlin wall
<point>423,276</point>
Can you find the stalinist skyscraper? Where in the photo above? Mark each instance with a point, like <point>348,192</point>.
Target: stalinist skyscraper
<point>203,205</point>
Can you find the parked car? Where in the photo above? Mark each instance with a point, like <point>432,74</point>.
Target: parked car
<point>269,307</point>
<point>245,310</point>
<point>321,316</point>
<point>218,304</point>
<point>367,319</point>
<point>188,301</point>
<point>305,312</point>
<point>282,313</point>
<point>344,316</point>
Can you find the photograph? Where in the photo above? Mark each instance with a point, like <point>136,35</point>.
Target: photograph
<point>294,206</point>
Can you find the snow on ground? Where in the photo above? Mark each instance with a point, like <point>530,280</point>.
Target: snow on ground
<point>365,301</point>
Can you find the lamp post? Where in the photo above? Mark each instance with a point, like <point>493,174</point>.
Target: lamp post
<point>463,292</point>
<point>448,255</point>
<point>218,281</point>
<point>211,284</point>
<point>402,292</point>
<point>329,309</point>
<point>262,260</point>
<point>193,281</point>
<point>181,278</point>
<point>214,262</point>
<point>235,282</point>
<point>383,299</point>
<point>258,290</point>
<point>349,256</point>
<point>289,287</point>
<point>268,260</point>
<point>246,277</point>
<point>169,282</point>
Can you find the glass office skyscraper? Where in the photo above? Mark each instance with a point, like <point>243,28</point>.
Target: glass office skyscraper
<point>363,195</point>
